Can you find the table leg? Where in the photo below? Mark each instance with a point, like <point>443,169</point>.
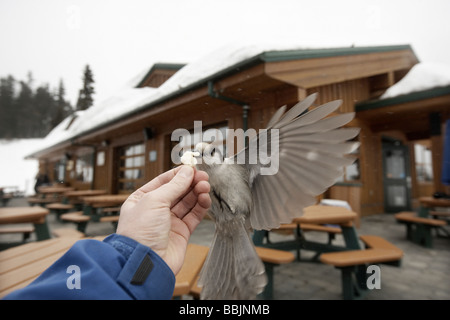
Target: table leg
<point>350,237</point>
<point>267,294</point>
<point>423,212</point>
<point>258,237</point>
<point>42,231</point>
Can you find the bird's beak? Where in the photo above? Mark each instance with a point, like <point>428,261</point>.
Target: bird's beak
<point>197,153</point>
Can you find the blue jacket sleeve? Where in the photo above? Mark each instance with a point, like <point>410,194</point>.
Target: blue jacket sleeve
<point>116,268</point>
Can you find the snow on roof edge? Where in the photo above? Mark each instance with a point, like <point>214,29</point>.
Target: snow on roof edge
<point>131,100</point>
<point>422,76</point>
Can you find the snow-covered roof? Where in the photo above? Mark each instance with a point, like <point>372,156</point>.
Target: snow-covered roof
<point>423,76</point>
<point>130,99</point>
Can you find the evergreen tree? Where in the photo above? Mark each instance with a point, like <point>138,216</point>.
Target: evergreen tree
<point>85,99</point>
<point>44,107</point>
<point>63,107</point>
<point>24,106</point>
<point>26,112</point>
<point>8,117</point>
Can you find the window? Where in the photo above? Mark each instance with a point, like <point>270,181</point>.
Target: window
<point>60,170</point>
<point>424,167</point>
<point>131,167</point>
<point>352,172</point>
<point>84,170</point>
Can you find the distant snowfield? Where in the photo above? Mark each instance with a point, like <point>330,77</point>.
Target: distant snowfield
<point>14,169</point>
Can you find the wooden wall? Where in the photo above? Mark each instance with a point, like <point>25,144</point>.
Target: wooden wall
<point>364,195</point>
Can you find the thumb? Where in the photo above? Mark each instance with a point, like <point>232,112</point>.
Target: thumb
<point>176,188</point>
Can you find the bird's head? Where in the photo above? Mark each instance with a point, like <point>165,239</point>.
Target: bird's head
<point>208,154</point>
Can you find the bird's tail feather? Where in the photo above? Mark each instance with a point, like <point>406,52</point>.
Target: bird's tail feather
<point>232,269</point>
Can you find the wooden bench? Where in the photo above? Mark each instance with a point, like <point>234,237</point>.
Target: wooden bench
<point>354,263</point>
<point>81,220</point>
<point>109,219</point>
<point>19,266</point>
<point>39,201</point>
<point>59,208</point>
<point>419,229</point>
<point>25,230</point>
<point>78,218</point>
<point>436,214</point>
<point>309,227</point>
<point>299,228</point>
<point>271,258</point>
<point>67,233</point>
<point>193,263</point>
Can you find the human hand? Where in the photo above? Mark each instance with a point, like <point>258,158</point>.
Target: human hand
<point>163,213</point>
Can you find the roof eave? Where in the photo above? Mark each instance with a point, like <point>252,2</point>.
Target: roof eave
<point>268,56</point>
<point>404,98</point>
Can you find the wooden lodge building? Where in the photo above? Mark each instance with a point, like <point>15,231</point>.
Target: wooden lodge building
<point>121,152</point>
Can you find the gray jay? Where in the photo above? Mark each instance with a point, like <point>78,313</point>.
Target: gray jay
<point>307,155</point>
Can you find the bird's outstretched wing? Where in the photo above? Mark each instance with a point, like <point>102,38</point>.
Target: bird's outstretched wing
<point>310,158</point>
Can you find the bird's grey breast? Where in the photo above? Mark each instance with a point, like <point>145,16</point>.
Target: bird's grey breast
<point>230,192</point>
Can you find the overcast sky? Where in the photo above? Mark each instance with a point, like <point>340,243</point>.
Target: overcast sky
<point>55,39</point>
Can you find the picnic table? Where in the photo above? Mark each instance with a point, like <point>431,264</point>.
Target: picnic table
<point>95,209</point>
<point>95,205</point>
<point>429,203</point>
<point>54,189</point>
<point>317,215</point>
<point>34,215</point>
<point>19,266</point>
<point>420,226</point>
<point>105,200</point>
<point>350,258</point>
<point>48,194</point>
<point>75,196</point>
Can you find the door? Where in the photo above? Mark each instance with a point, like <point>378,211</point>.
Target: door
<point>396,178</point>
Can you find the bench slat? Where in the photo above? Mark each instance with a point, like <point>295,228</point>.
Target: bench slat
<point>24,229</point>
<point>35,255</point>
<point>439,214</point>
<point>67,233</point>
<point>274,256</point>
<point>376,242</point>
<point>195,257</point>
<point>59,206</point>
<point>75,217</point>
<point>360,257</point>
<point>412,217</point>
<point>26,273</point>
<point>109,219</point>
<point>319,227</point>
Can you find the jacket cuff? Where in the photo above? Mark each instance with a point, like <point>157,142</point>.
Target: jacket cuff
<point>145,275</point>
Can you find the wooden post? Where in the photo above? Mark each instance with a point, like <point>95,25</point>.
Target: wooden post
<point>436,150</point>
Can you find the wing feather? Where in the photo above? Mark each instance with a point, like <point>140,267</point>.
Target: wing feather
<point>276,117</point>
<point>337,135</point>
<point>312,154</point>
<point>296,111</point>
<point>327,124</point>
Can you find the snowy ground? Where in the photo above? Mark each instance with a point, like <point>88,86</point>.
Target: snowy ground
<point>15,171</point>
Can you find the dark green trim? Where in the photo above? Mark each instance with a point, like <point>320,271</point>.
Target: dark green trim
<point>275,56</point>
<point>404,98</point>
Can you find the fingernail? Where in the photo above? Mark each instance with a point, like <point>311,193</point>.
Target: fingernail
<point>186,172</point>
